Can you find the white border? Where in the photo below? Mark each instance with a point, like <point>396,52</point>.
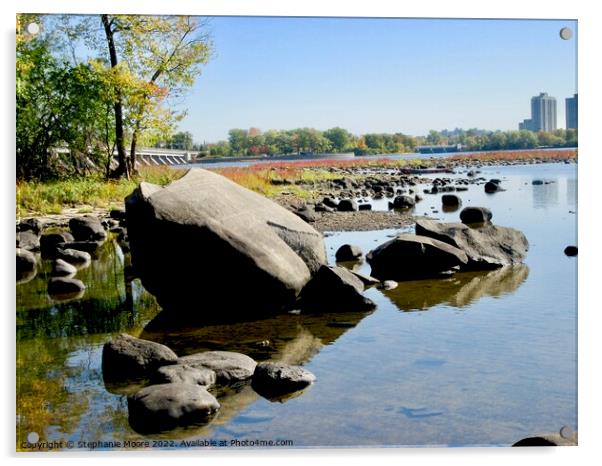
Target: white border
<point>589,166</point>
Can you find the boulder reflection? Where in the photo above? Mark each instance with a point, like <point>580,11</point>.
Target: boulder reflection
<point>459,290</point>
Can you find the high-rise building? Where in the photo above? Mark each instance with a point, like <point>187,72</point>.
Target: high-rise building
<point>526,124</point>
<point>543,112</point>
<point>571,112</point>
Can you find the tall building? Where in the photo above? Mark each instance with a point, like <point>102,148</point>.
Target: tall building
<point>526,124</point>
<point>543,112</point>
<point>571,112</point>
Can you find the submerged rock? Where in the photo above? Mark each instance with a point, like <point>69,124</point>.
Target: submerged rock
<point>334,289</point>
<point>61,268</point>
<point>165,406</point>
<point>229,367</point>
<point>183,373</point>
<point>65,286</point>
<point>486,247</point>
<point>271,380</point>
<point>470,215</point>
<point>127,357</point>
<point>237,235</point>
<point>412,256</point>
<point>348,252</point>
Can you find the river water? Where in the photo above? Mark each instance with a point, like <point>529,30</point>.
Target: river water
<point>477,359</point>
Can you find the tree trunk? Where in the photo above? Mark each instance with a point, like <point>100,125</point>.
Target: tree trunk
<point>122,168</point>
<point>132,161</point>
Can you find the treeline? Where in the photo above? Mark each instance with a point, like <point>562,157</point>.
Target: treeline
<point>91,86</point>
<point>252,142</point>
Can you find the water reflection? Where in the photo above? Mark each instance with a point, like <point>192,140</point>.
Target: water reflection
<point>460,290</point>
<point>545,195</point>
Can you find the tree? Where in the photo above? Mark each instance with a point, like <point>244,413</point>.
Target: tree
<point>238,139</point>
<point>151,58</point>
<point>338,137</point>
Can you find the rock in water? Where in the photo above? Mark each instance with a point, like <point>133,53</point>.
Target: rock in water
<point>228,366</point>
<point>49,242</point>
<point>334,289</point>
<point>28,240</point>
<point>87,228</point>
<point>472,215</point>
<point>403,202</point>
<point>127,357</point>
<point>487,247</point>
<point>65,286</point>
<point>192,239</point>
<point>78,258</point>
<point>412,256</point>
<point>31,224</point>
<point>26,263</point>
<point>182,373</point>
<point>347,205</point>
<point>274,379</point>
<point>348,252</point>
<point>60,268</point>
<point>450,200</point>
<point>165,406</point>
<point>571,251</point>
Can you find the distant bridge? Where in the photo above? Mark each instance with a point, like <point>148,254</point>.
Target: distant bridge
<point>147,156</point>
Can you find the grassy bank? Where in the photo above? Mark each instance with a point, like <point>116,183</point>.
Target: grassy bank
<point>268,179</point>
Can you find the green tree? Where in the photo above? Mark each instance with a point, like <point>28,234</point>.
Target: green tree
<point>339,138</point>
<point>239,141</point>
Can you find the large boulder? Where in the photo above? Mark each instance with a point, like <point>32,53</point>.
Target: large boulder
<point>26,263</point>
<point>80,259</point>
<point>165,406</point>
<point>334,289</point>
<point>472,215</point>
<point>183,373</point>
<point>61,268</point>
<point>412,256</point>
<point>195,238</point>
<point>229,367</point>
<point>50,241</point>
<point>487,247</point>
<point>87,228</point>
<point>127,357</point>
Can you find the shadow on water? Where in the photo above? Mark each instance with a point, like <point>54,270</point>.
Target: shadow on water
<point>459,290</point>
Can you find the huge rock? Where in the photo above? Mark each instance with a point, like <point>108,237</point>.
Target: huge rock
<point>165,406</point>
<point>472,215</point>
<point>412,256</point>
<point>193,239</point>
<point>229,367</point>
<point>87,228</point>
<point>28,240</point>
<point>272,379</point>
<point>486,247</point>
<point>334,289</point>
<point>127,357</point>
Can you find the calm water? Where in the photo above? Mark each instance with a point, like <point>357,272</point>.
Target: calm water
<point>477,359</point>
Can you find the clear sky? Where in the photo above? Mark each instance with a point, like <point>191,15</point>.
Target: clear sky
<point>378,75</point>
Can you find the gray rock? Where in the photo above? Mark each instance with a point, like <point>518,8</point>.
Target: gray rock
<point>537,182</point>
<point>409,256</point>
<point>348,252</point>
<point>274,379</point>
<point>78,258</point>
<point>26,263</point>
<point>347,205</point>
<point>87,228</point>
<point>65,286</point>
<point>330,202</point>
<point>31,224</point>
<point>183,373</point>
<point>470,215</point>
<point>127,357</point>
<point>307,214</point>
<point>240,236</point>
<point>166,406</point>
<point>548,440</point>
<point>87,246</point>
<point>28,240</point>
<point>49,242</point>
<point>491,187</point>
<point>60,268</point>
<point>571,251</point>
<point>334,289</point>
<point>450,200</point>
<point>404,202</point>
<point>367,280</point>
<point>229,367</point>
<point>486,247</point>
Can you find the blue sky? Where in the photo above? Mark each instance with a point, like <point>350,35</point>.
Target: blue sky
<point>378,75</point>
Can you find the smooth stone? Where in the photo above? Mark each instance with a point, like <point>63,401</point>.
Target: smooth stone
<point>404,202</point>
<point>28,240</point>
<point>334,289</point>
<point>470,215</point>
<point>364,207</point>
<point>31,224</point>
<point>166,406</point>
<point>78,258</point>
<point>348,252</point>
<point>491,187</point>
<point>272,379</point>
<point>571,251</point>
<point>87,228</point>
<point>26,262</point>
<point>61,268</point>
<point>182,373</point>
<point>347,205</point>
<point>367,280</point>
<point>87,246</point>
<point>129,357</point>
<point>389,285</point>
<point>450,200</point>
<point>65,286</point>
<point>49,242</point>
<point>229,367</point>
